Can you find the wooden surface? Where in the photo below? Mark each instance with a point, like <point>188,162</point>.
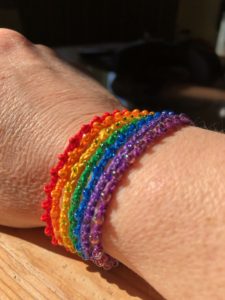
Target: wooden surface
<point>31,268</point>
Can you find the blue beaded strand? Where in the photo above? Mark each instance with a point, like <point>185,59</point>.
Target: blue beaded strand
<point>99,168</point>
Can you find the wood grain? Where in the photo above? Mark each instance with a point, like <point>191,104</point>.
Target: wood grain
<point>31,268</point>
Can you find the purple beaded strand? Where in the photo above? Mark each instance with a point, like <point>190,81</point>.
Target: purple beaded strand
<point>89,212</point>
<point>101,196</point>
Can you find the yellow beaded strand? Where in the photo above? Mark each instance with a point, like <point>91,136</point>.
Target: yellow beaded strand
<point>117,122</point>
<point>64,175</point>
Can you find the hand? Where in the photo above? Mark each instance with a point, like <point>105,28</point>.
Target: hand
<point>43,101</point>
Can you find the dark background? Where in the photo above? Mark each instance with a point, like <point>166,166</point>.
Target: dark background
<point>151,54</point>
<point>57,22</point>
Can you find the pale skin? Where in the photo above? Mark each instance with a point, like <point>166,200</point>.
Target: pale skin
<point>166,220</point>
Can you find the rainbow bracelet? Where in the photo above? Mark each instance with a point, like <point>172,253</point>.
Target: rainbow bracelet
<point>88,172</point>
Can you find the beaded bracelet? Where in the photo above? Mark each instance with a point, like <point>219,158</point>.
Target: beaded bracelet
<point>88,172</point>
<point>59,173</point>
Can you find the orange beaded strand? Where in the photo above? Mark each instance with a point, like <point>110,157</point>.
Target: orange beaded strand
<point>74,142</point>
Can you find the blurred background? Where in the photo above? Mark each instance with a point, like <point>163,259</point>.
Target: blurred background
<point>164,54</point>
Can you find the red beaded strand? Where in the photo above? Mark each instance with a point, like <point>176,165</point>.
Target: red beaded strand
<point>74,142</point>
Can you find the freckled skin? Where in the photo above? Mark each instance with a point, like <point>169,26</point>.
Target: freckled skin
<point>166,220</point>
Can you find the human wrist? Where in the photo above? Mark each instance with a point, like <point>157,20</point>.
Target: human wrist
<point>42,134</point>
<point>164,210</point>
<point>43,101</point>
<point>88,171</point>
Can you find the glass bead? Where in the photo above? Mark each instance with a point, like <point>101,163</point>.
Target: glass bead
<point>96,125</point>
<point>135,112</point>
<point>63,173</point>
<point>107,266</point>
<point>156,115</point>
<point>99,219</point>
<point>117,115</point>
<point>144,112</point>
<point>96,228</point>
<point>94,238</point>
<point>109,195</point>
<point>86,219</point>
<point>76,231</point>
<point>97,253</point>
<point>55,193</point>
<point>54,214</point>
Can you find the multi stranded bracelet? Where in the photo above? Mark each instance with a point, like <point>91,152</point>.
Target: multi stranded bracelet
<point>88,172</point>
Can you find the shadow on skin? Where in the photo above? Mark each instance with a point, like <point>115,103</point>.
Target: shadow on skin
<point>119,276</point>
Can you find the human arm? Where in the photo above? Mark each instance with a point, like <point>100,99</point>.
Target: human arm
<point>166,220</point>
